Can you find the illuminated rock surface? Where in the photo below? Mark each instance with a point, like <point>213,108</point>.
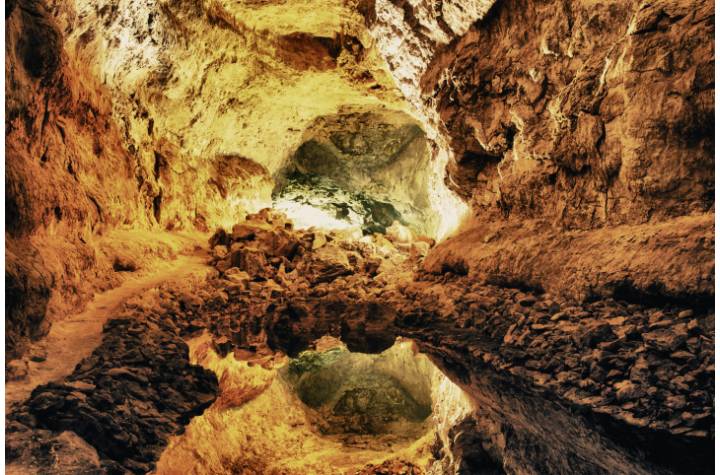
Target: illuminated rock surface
<point>528,369</point>
<point>496,253</point>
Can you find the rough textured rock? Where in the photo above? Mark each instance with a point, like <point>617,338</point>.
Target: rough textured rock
<point>383,155</point>
<point>212,97</point>
<point>631,375</point>
<point>671,260</point>
<point>67,179</point>
<point>127,399</point>
<point>583,113</point>
<point>173,115</point>
<point>559,385</point>
<point>577,115</point>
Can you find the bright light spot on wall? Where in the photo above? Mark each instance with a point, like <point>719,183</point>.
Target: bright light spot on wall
<point>307,216</point>
<point>450,209</point>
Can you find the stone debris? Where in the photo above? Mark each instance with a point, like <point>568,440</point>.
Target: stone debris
<point>126,400</point>
<point>391,467</point>
<point>644,367</point>
<point>280,289</point>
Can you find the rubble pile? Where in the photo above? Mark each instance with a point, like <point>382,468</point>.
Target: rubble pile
<point>647,371</point>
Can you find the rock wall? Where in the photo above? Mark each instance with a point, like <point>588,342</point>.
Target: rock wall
<point>194,83</point>
<point>161,115</point>
<point>568,116</point>
<point>68,178</point>
<point>585,113</point>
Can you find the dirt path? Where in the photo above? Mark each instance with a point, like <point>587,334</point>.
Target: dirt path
<point>72,339</point>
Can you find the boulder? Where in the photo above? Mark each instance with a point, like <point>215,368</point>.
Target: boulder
<point>250,260</point>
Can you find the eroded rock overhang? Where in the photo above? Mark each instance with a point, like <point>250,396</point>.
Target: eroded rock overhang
<point>215,98</point>
<point>363,169</point>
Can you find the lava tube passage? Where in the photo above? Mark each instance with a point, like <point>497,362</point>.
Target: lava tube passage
<point>360,237</point>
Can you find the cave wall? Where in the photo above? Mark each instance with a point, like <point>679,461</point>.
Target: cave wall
<point>552,115</point>
<point>68,177</point>
<point>195,82</point>
<point>381,155</point>
<point>157,116</point>
<point>585,113</point>
<point>565,120</point>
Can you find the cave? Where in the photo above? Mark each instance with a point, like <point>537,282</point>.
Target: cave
<point>361,171</point>
<point>341,411</point>
<point>365,237</point>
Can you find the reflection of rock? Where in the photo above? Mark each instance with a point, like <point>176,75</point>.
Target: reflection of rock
<point>529,360</point>
<point>358,393</point>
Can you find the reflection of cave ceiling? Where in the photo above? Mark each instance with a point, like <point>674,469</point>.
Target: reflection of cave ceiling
<point>574,307</point>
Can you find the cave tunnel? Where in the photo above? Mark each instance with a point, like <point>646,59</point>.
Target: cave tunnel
<point>359,237</point>
<point>361,170</point>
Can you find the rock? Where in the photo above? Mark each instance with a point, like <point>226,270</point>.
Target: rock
<point>243,232</point>
<point>630,419</point>
<point>37,354</point>
<point>124,263</point>
<point>16,370</point>
<point>251,261</point>
<point>222,345</point>
<point>682,356</point>
<point>399,233</point>
<point>627,391</point>
<point>526,300</point>
<point>676,402</point>
<point>220,237</point>
<point>220,251</point>
<point>81,386</point>
<point>661,324</point>
<point>558,316</point>
<point>665,339</point>
<point>656,316</point>
<point>219,298</point>
<point>616,321</point>
<point>686,314</point>
<point>420,248</point>
<point>112,398</point>
<point>596,334</point>
<point>191,301</point>
<point>224,264</point>
<point>319,240</point>
<point>693,327</point>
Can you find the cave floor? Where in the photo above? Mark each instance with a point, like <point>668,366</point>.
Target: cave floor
<point>75,337</point>
<point>549,378</point>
